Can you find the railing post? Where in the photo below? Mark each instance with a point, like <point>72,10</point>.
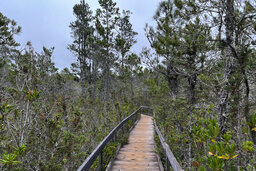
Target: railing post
<point>115,137</point>
<point>167,163</point>
<point>101,162</point>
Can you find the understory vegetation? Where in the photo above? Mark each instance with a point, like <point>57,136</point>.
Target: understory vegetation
<point>199,75</point>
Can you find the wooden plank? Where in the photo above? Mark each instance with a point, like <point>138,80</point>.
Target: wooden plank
<point>139,153</point>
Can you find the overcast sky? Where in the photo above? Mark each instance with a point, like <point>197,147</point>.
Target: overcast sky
<point>46,22</point>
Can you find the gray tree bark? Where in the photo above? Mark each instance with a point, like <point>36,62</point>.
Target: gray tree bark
<point>247,108</point>
<point>229,62</point>
<point>172,78</point>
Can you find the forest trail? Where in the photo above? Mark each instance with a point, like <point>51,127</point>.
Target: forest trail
<point>139,154</point>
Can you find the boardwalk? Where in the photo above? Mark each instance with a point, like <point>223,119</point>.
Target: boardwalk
<point>138,154</point>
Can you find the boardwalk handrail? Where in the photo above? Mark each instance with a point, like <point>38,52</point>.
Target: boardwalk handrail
<point>169,155</point>
<point>98,150</point>
<point>170,158</point>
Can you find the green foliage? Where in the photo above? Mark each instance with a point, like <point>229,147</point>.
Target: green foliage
<point>10,159</point>
<point>5,108</point>
<point>248,146</point>
<point>178,3</point>
<point>32,95</point>
<point>213,129</point>
<point>51,120</point>
<point>252,122</point>
<point>211,67</point>
<point>8,28</point>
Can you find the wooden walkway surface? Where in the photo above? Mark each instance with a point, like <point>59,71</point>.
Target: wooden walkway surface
<point>138,154</point>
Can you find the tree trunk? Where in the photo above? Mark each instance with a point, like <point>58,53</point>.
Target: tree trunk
<point>131,85</point>
<point>224,97</point>
<point>246,107</point>
<point>83,83</point>
<point>106,82</point>
<point>94,75</point>
<point>239,118</point>
<point>172,78</point>
<point>235,110</point>
<point>192,79</point>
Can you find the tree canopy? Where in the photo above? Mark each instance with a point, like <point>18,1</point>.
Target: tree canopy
<point>198,74</point>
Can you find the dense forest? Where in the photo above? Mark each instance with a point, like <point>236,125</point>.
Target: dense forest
<point>199,75</point>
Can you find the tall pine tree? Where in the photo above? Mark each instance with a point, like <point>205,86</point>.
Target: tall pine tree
<point>82,33</point>
<point>106,18</point>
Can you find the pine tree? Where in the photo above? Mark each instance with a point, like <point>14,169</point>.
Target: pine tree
<point>125,39</point>
<point>162,40</point>
<point>82,33</point>
<point>181,40</point>
<point>8,28</point>
<point>106,18</point>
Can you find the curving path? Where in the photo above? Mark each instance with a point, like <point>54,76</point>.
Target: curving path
<point>139,154</point>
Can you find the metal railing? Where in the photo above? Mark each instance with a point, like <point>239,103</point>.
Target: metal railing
<point>170,158</point>
<point>98,151</point>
